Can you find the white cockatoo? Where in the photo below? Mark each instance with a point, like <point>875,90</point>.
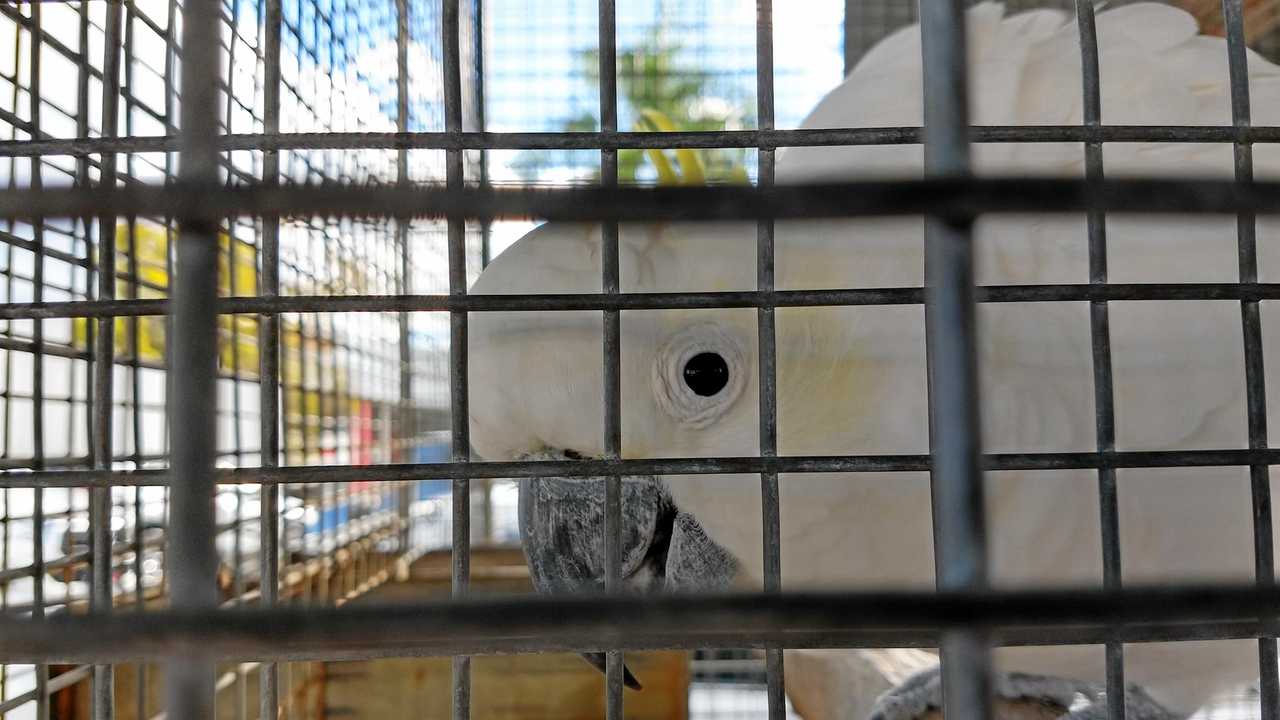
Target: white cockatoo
<point>851,380</point>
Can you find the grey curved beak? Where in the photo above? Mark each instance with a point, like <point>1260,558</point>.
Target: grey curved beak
<point>562,531</point>
<point>663,549</point>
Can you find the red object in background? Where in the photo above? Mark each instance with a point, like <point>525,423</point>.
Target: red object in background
<point>361,430</point>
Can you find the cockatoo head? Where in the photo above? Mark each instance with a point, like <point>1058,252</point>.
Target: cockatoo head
<point>688,376</point>
<point>688,389</point>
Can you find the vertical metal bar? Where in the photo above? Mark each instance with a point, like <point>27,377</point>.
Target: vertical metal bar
<point>312,440</point>
<point>333,248</point>
<point>139,508</point>
<point>305,418</point>
<point>477,34</point>
<point>35,96</point>
<point>946,96</point>
<point>614,667</point>
<point>336,496</point>
<point>135,356</point>
<point>192,366</point>
<point>38,569</point>
<point>1100,333</point>
<point>104,366</point>
<point>851,48</point>
<point>269,360</point>
<point>959,527</point>
<point>461,436</point>
<point>315,493</point>
<point>486,224</point>
<point>240,691</point>
<point>171,236</point>
<point>768,352</point>
<point>1255,374</point>
<point>403,285</point>
<point>6,407</point>
<point>5,445</point>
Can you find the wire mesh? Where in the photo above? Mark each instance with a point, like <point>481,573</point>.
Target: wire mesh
<point>85,393</point>
<point>358,302</point>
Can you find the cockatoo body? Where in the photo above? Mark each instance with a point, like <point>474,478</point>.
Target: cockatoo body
<point>852,380</point>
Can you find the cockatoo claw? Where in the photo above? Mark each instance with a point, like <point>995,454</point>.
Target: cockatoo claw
<point>922,692</point>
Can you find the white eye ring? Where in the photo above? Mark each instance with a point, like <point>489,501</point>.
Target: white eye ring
<point>674,395</point>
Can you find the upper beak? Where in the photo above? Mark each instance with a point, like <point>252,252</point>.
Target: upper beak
<point>562,531</point>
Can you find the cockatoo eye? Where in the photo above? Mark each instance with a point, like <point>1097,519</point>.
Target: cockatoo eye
<point>706,374</point>
<point>698,373</point>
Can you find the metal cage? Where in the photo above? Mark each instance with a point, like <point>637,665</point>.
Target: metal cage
<point>91,393</point>
<point>205,182</point>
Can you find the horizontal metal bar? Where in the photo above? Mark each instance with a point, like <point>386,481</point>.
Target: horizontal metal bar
<point>645,301</point>
<point>9,238</point>
<point>408,472</point>
<point>891,638</point>
<point>533,623</point>
<point>56,683</point>
<point>9,575</point>
<point>83,557</point>
<point>19,700</point>
<point>951,198</point>
<point>27,345</point>
<point>801,137</point>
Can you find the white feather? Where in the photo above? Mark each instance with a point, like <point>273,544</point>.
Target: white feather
<point>852,380</point>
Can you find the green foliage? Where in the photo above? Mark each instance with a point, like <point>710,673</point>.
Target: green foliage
<point>658,95</point>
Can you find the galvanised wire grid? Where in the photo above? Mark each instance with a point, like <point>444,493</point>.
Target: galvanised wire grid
<point>694,59</point>
<point>963,617</point>
<point>90,393</point>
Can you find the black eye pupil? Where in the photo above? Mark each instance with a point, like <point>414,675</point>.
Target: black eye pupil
<point>706,374</point>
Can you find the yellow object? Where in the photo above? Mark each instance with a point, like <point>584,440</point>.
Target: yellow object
<point>692,171</point>
<point>151,248</point>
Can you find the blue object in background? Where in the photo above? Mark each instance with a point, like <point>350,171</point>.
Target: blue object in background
<point>432,452</point>
<point>333,517</point>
